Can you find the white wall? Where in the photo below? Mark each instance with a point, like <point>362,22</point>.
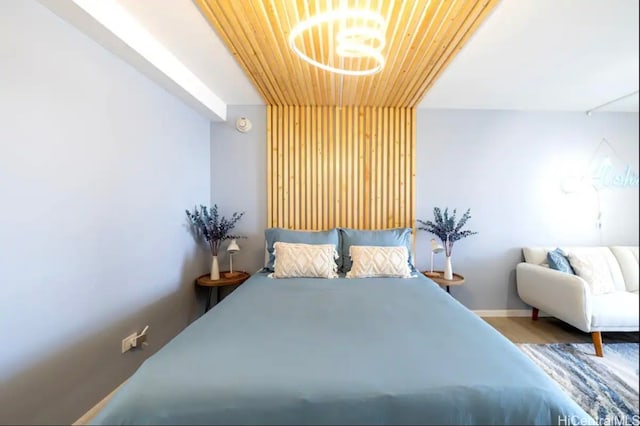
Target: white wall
<point>508,168</point>
<point>97,165</point>
<point>239,181</point>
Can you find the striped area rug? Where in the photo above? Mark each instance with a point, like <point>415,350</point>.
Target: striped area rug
<point>606,388</point>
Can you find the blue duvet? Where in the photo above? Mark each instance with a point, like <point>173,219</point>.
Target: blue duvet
<point>361,351</point>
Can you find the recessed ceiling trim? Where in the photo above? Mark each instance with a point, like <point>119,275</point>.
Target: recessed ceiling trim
<point>113,27</point>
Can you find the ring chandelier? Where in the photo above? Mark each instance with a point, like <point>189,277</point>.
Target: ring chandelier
<point>365,39</point>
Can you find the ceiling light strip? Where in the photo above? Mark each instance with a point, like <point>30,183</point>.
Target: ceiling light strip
<point>353,42</point>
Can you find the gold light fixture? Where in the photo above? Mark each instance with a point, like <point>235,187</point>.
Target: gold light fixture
<point>361,36</point>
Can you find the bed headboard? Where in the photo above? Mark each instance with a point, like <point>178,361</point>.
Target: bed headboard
<point>330,166</point>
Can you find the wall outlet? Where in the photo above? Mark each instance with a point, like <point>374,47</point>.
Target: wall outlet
<point>129,342</point>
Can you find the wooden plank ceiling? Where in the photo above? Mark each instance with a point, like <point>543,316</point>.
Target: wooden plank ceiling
<point>422,37</point>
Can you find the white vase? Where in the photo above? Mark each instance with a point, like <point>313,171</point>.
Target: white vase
<point>448,270</point>
<point>215,269</point>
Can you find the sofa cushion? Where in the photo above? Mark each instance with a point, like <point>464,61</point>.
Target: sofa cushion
<point>558,261</point>
<point>615,310</point>
<point>598,267</point>
<point>536,255</point>
<point>628,260</point>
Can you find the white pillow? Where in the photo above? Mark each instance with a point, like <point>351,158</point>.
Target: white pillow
<point>593,267</point>
<point>374,261</point>
<point>295,260</point>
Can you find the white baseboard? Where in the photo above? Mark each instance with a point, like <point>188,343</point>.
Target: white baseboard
<point>506,313</point>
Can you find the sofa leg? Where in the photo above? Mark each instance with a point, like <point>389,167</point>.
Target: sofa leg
<point>597,342</point>
<point>534,314</point>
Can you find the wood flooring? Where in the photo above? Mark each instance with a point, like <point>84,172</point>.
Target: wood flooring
<point>550,330</point>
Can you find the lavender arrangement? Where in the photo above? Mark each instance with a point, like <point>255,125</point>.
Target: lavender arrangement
<point>215,229</point>
<point>446,228</point>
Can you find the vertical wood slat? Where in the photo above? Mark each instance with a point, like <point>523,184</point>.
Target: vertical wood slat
<point>350,172</point>
<point>296,166</point>
<point>314,175</point>
<point>385,161</point>
<point>331,161</point>
<point>343,165</point>
<point>280,166</point>
<point>286,171</point>
<point>402,169</point>
<point>346,166</point>
<point>326,159</point>
<point>270,151</point>
<point>366,155</point>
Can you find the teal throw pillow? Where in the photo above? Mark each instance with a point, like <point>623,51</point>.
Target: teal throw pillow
<point>558,261</point>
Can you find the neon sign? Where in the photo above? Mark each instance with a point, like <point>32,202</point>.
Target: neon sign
<point>604,176</point>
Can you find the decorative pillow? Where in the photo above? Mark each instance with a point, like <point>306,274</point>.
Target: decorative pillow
<point>376,261</point>
<point>305,260</point>
<point>627,258</point>
<point>273,235</point>
<point>594,269</point>
<point>558,261</point>
<point>386,237</point>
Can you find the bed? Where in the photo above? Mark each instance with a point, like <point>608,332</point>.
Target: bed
<point>340,351</point>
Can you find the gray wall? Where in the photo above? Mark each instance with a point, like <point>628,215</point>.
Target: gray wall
<point>508,168</point>
<point>97,165</point>
<point>239,181</point>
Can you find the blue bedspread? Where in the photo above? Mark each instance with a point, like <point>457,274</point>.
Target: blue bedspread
<point>360,351</point>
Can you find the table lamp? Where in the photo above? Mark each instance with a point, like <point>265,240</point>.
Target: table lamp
<point>435,248</point>
<point>232,249</point>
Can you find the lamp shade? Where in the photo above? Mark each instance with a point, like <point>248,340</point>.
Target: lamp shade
<point>233,247</point>
<point>435,247</point>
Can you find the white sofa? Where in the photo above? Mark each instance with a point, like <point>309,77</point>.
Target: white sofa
<point>569,297</point>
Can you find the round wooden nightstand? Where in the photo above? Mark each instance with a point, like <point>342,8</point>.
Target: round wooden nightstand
<point>237,278</point>
<point>457,279</point>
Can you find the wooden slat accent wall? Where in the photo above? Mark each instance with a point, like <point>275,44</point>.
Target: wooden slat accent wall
<point>329,166</point>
